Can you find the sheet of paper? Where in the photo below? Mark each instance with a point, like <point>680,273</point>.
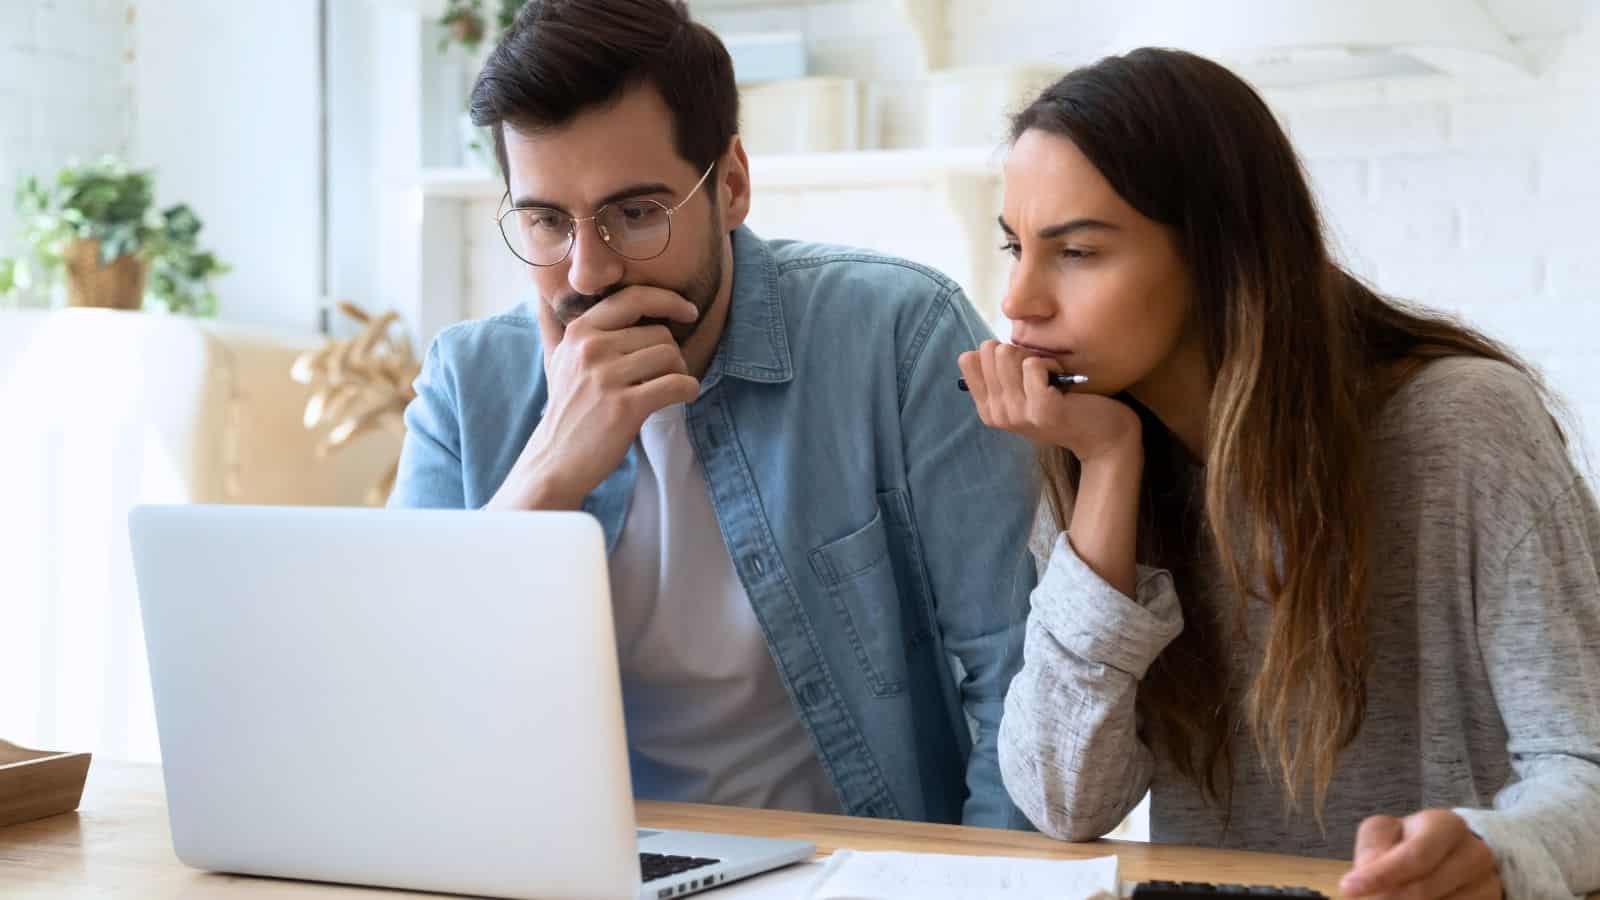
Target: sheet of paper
<point>853,875</point>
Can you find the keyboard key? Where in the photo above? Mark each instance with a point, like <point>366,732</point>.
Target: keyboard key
<point>653,866</point>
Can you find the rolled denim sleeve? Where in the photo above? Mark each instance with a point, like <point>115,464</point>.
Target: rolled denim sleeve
<point>430,474</point>
<point>974,492</point>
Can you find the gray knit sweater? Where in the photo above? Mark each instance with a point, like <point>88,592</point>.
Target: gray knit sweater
<point>1484,693</point>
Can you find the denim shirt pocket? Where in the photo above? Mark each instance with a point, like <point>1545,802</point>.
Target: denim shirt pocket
<point>858,574</point>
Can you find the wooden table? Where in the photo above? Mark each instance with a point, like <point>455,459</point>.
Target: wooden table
<point>118,846</point>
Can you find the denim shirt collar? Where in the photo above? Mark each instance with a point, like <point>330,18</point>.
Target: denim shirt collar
<point>755,341</point>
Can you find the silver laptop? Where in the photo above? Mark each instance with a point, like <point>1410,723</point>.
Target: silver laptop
<point>410,699</point>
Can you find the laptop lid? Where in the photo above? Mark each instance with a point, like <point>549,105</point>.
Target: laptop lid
<point>407,698</point>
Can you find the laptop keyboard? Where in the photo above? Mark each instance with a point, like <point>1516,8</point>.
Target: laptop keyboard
<point>660,865</point>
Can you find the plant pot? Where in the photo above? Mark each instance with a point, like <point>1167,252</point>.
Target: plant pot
<point>117,286</point>
<point>467,29</point>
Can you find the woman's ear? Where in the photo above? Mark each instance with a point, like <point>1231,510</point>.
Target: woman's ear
<point>733,185</point>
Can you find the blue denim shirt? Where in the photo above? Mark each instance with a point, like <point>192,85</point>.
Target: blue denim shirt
<point>879,528</point>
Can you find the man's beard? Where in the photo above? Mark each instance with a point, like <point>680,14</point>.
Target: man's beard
<point>701,290</point>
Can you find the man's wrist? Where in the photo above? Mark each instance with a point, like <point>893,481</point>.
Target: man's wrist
<point>534,492</point>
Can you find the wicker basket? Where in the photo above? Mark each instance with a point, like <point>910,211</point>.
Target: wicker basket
<point>117,286</point>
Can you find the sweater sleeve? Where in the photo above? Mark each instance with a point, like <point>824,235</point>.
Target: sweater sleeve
<point>1070,751</point>
<point>1539,632</point>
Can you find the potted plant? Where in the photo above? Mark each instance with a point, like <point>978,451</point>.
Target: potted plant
<point>98,226</point>
<point>466,23</point>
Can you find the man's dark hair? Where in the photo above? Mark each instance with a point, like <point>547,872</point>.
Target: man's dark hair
<point>563,57</point>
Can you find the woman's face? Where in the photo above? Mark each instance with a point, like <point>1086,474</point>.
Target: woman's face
<point>1095,284</point>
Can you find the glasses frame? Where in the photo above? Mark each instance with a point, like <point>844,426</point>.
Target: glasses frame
<point>577,222</point>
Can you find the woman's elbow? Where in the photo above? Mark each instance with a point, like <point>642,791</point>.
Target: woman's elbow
<point>1054,806</point>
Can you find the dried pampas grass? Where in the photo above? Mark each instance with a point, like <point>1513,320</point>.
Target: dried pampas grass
<point>360,385</point>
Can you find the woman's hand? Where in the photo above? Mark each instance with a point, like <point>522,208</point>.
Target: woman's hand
<point>1011,388</point>
<point>1423,856</point>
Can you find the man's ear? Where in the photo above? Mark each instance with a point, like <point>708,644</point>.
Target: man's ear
<point>733,184</point>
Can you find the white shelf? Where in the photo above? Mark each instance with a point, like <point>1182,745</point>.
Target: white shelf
<point>862,168</point>
<point>873,167</point>
<point>455,183</point>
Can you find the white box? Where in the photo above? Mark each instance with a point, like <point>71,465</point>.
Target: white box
<point>766,56</point>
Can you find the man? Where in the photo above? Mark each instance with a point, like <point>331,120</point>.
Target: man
<point>818,553</point>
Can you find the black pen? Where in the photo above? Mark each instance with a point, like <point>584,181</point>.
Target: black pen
<point>1058,380</point>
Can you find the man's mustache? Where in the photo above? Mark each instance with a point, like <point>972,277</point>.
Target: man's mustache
<point>573,305</point>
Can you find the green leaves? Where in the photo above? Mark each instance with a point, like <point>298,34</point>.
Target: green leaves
<point>180,273</point>
<point>16,278</point>
<point>465,22</point>
<point>114,205</point>
<point>106,195</point>
<point>508,12</point>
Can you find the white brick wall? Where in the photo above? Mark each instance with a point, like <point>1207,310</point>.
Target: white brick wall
<point>1478,198</point>
<point>1470,194</point>
<point>65,91</point>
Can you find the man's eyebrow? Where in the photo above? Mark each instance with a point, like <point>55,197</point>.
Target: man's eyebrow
<point>642,189</point>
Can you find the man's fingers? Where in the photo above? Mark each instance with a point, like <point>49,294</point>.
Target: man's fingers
<point>629,305</point>
<point>636,338</point>
<point>550,333</point>
<point>660,393</point>
<point>649,363</point>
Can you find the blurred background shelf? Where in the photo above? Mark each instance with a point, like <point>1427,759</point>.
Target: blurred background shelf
<point>773,172</point>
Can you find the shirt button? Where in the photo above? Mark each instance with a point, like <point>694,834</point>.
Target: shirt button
<point>812,694</point>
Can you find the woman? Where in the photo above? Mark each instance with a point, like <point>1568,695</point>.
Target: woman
<point>1311,559</point>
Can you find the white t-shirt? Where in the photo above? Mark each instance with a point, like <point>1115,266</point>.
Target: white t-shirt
<point>708,718</point>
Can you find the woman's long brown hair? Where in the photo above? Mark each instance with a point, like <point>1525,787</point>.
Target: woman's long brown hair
<point>1302,356</point>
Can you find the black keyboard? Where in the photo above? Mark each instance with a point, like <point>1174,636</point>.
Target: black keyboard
<point>1194,890</point>
<point>659,865</point>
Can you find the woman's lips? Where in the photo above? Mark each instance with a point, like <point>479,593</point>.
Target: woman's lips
<point>1042,351</point>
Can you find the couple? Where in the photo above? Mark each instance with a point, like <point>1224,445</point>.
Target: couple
<point>1307,560</point>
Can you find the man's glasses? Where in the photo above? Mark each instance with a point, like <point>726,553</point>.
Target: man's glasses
<point>633,229</point>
